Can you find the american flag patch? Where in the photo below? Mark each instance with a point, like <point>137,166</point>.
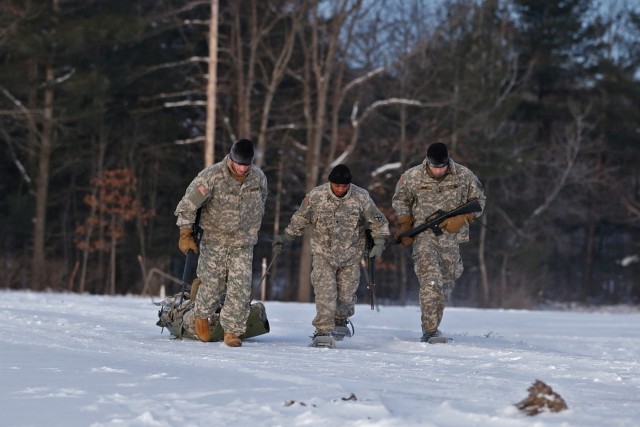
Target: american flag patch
<point>203,190</point>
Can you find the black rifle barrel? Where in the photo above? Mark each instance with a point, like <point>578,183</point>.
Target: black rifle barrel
<point>438,217</point>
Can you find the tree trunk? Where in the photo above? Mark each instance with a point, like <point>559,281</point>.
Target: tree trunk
<point>102,148</point>
<point>112,259</point>
<point>276,217</point>
<point>503,279</point>
<point>587,281</point>
<point>484,276</point>
<point>38,264</point>
<point>210,137</point>
<point>403,258</point>
<point>482,263</point>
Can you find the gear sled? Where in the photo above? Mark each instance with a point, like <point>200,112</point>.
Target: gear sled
<point>176,315</point>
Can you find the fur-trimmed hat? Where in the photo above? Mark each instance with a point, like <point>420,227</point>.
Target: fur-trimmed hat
<point>242,152</point>
<point>438,155</point>
<point>340,175</point>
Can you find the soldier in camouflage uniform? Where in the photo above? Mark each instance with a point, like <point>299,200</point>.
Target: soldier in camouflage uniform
<point>232,195</point>
<point>437,184</point>
<point>339,213</point>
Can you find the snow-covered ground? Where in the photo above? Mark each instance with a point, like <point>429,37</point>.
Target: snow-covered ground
<point>81,360</point>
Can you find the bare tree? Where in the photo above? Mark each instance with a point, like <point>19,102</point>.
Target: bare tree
<point>321,40</point>
<point>563,164</point>
<point>262,39</point>
<point>327,40</point>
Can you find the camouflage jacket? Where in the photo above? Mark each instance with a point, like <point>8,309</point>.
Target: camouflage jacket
<point>339,223</point>
<point>419,195</point>
<point>231,210</point>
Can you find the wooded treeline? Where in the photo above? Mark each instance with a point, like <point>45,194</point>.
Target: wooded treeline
<point>103,108</point>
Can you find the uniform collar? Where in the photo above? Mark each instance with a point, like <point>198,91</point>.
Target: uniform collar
<point>452,170</point>
<point>233,174</point>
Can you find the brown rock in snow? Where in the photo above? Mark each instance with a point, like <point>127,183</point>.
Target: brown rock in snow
<point>541,399</point>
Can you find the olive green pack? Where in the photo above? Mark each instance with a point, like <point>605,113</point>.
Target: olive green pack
<point>176,316</point>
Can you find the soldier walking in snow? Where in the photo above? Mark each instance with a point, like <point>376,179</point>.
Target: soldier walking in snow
<point>232,195</point>
<point>339,213</point>
<point>438,183</point>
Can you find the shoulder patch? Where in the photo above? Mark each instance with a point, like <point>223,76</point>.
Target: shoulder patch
<point>203,190</point>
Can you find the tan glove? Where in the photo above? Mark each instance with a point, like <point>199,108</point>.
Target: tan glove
<point>186,242</point>
<point>455,223</point>
<point>406,222</point>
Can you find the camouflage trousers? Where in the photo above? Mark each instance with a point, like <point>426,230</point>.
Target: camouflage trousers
<point>437,267</point>
<point>335,292</point>
<point>225,272</point>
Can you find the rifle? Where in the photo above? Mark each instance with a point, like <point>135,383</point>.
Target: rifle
<point>432,223</point>
<point>191,262</point>
<point>371,267</point>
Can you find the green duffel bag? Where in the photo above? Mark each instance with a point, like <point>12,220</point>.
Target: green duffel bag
<point>176,315</point>
<point>257,324</point>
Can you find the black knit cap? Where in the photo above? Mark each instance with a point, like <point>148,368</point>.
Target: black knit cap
<point>242,152</point>
<point>438,155</point>
<point>340,175</point>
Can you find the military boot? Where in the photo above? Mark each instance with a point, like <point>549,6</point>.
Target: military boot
<point>203,330</point>
<point>341,322</point>
<point>232,340</point>
<point>436,337</point>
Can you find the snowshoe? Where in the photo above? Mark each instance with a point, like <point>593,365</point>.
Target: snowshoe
<point>342,330</point>
<point>323,341</point>
<point>434,338</point>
